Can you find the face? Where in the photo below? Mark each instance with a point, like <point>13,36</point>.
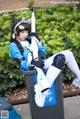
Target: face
<point>22,35</point>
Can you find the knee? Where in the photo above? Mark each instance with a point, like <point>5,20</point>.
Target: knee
<point>59,61</point>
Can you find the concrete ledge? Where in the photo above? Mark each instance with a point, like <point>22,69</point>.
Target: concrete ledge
<point>71,108</point>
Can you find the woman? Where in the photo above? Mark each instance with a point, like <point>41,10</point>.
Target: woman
<point>31,53</point>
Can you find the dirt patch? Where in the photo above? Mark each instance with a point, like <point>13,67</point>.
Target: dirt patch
<point>21,96</point>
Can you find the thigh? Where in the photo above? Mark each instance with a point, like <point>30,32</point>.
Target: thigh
<point>49,61</point>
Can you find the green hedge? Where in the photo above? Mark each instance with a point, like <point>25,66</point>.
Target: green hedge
<point>57,27</point>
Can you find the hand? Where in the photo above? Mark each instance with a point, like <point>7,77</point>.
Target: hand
<point>38,63</point>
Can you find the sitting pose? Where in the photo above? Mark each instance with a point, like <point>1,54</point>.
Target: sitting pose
<point>31,53</point>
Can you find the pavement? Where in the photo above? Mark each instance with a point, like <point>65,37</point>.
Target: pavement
<point>71,108</point>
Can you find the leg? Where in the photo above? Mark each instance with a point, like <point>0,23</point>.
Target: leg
<point>55,68</point>
<point>44,83</point>
<point>71,62</point>
<point>73,66</point>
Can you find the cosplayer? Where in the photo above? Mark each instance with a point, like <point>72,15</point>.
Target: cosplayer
<point>31,54</point>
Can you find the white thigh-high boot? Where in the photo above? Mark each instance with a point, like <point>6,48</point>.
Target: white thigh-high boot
<point>73,66</point>
<point>44,83</point>
<point>41,85</point>
<point>52,74</point>
<point>39,97</point>
<point>42,80</point>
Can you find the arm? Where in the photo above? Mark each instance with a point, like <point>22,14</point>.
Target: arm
<point>22,59</point>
